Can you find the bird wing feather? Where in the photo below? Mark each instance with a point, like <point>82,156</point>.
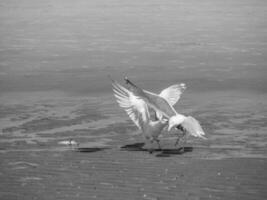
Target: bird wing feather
<point>153,100</point>
<point>193,127</point>
<point>135,107</point>
<point>172,94</point>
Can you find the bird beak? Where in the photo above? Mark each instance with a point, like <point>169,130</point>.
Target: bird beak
<point>183,85</point>
<point>164,121</point>
<point>170,126</point>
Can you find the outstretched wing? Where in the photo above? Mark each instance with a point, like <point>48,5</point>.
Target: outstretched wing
<point>153,100</point>
<point>192,126</point>
<point>172,94</point>
<point>135,107</point>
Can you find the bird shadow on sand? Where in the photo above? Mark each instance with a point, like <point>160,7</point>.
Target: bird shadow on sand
<point>90,149</point>
<point>165,152</point>
<point>134,147</point>
<point>170,152</point>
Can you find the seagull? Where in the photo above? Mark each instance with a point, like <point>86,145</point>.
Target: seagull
<point>137,110</point>
<point>187,124</point>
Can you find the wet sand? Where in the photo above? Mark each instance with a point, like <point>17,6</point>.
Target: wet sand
<point>118,174</point>
<point>112,162</point>
<point>54,62</point>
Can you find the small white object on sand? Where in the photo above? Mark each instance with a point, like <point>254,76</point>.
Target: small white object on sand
<point>69,142</point>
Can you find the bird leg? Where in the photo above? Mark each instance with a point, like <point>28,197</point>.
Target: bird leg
<point>179,127</point>
<point>181,137</point>
<point>182,146</point>
<point>157,140</point>
<point>151,149</point>
<point>184,142</point>
<point>177,141</point>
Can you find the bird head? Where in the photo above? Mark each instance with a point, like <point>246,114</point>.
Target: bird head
<point>183,86</point>
<point>164,121</point>
<point>175,121</point>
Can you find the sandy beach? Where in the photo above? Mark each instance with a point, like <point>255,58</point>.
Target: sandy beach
<point>54,60</point>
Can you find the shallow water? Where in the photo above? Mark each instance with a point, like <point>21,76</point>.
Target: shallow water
<point>54,61</point>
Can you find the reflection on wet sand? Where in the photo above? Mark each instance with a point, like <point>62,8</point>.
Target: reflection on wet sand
<point>232,126</point>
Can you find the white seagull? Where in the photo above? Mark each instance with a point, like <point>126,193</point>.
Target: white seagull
<point>186,124</point>
<point>137,109</point>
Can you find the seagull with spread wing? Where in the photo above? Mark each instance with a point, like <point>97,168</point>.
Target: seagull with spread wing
<point>187,124</point>
<point>137,109</point>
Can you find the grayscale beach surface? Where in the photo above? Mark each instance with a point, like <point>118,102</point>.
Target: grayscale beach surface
<point>54,60</point>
